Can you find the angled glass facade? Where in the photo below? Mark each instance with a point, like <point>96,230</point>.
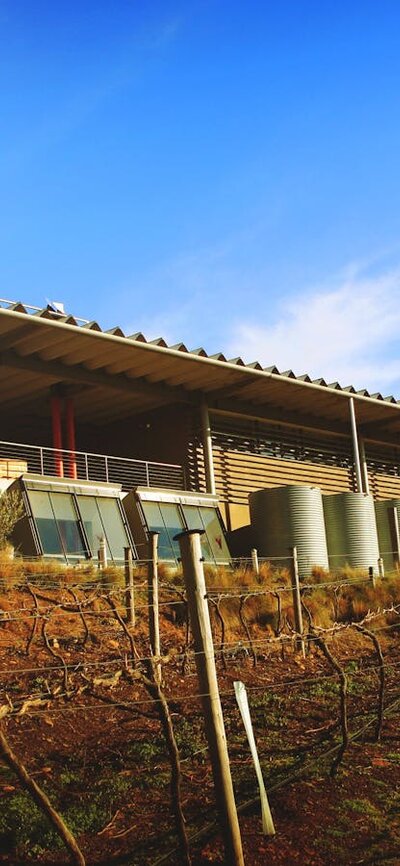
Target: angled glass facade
<point>68,521</point>
<point>170,518</point>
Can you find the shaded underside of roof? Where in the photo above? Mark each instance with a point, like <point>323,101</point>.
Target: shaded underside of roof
<point>112,375</point>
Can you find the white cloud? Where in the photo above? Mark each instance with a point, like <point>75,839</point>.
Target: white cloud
<point>344,332</point>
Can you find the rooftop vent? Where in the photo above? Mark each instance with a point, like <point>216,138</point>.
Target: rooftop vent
<point>56,307</point>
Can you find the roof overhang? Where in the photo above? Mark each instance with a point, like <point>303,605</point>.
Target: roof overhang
<point>113,376</point>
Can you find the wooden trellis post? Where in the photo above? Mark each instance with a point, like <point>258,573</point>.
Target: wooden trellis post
<point>298,616</point>
<point>254,560</point>
<point>193,572</point>
<point>129,587</point>
<point>152,597</point>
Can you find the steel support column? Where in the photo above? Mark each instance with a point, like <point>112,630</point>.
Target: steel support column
<point>57,434</point>
<point>71,444</point>
<point>364,467</point>
<point>207,449</point>
<point>356,452</point>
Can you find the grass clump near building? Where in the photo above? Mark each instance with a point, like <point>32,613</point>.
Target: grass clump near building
<point>11,511</point>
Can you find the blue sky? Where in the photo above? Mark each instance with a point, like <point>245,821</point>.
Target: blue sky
<point>221,173</point>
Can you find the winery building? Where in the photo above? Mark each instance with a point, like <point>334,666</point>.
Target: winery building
<point>96,406</point>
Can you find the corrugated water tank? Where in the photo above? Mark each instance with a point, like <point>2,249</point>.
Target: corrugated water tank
<point>290,516</point>
<point>351,531</point>
<point>388,531</point>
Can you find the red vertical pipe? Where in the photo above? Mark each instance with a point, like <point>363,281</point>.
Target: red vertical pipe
<point>70,420</point>
<point>57,435</point>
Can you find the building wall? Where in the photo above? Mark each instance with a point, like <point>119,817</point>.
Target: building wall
<point>248,454</point>
<point>383,470</point>
<point>161,435</point>
<point>238,475</point>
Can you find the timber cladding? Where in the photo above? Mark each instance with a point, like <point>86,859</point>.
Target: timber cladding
<point>12,468</point>
<point>237,475</point>
<point>384,486</point>
<point>249,455</point>
<point>383,471</point>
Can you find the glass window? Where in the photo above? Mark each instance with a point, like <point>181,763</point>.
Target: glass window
<point>194,521</point>
<point>45,523</point>
<point>215,534</point>
<point>155,523</point>
<point>68,526</point>
<point>192,516</point>
<point>58,515</point>
<point>173,523</point>
<point>92,522</point>
<point>164,518</point>
<point>168,519</point>
<point>116,536</point>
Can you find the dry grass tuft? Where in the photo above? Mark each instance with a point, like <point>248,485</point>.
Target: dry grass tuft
<point>42,572</point>
<point>112,577</point>
<point>244,595</point>
<point>320,604</point>
<point>355,601</point>
<point>320,574</point>
<point>244,598</point>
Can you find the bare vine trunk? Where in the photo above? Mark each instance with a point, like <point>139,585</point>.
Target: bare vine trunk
<point>343,700</point>
<point>217,605</point>
<point>40,799</point>
<point>244,623</point>
<point>381,662</point>
<point>154,689</point>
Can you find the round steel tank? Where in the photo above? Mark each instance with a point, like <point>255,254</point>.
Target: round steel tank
<point>290,516</point>
<point>351,532</point>
<point>387,514</point>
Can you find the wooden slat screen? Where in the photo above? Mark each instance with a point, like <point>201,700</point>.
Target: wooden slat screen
<point>249,455</point>
<point>384,486</point>
<point>383,471</point>
<point>237,475</point>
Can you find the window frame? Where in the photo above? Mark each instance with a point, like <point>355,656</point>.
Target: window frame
<point>141,503</point>
<point>88,554</point>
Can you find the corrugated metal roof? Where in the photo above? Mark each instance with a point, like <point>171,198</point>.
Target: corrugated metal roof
<point>40,347</point>
<point>78,322</point>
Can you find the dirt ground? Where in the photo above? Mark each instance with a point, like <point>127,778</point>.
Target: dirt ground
<point>89,733</point>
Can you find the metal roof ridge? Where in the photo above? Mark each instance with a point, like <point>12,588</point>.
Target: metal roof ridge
<point>179,347</point>
<point>254,365</point>
<point>238,361</point>
<point>91,326</point>
<point>137,338</point>
<point>159,341</point>
<point>200,351</point>
<point>18,307</point>
<point>116,332</point>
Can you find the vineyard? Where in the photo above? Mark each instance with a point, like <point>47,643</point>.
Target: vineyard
<point>120,752</point>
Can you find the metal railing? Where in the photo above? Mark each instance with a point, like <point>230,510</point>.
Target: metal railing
<point>30,309</point>
<point>91,466</point>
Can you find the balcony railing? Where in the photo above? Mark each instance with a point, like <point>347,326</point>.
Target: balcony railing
<point>89,466</point>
